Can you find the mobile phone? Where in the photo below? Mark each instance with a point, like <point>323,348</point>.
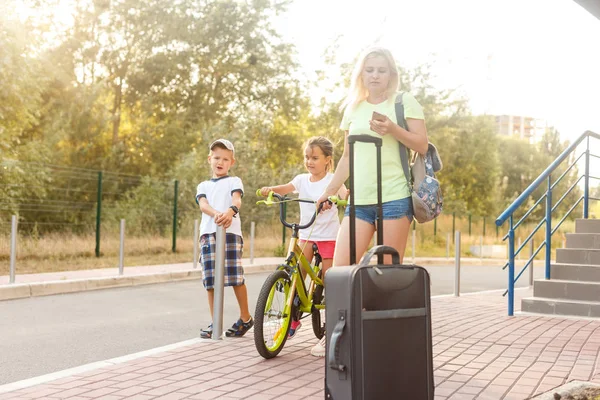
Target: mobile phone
<point>378,117</point>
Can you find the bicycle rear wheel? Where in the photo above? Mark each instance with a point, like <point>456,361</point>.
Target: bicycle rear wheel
<point>272,322</point>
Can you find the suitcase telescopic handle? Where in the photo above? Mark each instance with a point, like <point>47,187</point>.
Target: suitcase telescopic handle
<point>334,346</point>
<point>378,142</point>
<point>365,139</point>
<point>381,250</point>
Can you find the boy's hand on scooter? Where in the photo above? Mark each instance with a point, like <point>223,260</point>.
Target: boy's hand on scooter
<point>224,219</point>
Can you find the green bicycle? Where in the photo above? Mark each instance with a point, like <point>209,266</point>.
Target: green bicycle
<point>284,295</point>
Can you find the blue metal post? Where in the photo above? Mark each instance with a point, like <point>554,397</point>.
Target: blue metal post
<point>548,226</point>
<point>511,268</point>
<point>586,190</point>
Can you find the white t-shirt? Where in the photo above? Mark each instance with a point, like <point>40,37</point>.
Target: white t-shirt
<point>327,223</point>
<point>218,193</point>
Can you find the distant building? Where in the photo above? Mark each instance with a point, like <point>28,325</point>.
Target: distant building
<point>531,129</point>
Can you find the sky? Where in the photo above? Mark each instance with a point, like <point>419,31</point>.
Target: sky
<point>521,57</point>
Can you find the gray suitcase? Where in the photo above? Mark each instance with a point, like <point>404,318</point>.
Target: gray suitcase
<point>379,345</point>
<point>379,342</point>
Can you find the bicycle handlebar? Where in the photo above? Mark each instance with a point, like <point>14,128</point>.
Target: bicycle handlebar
<point>282,200</point>
<point>336,200</point>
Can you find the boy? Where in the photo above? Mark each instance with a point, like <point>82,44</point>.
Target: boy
<point>220,200</point>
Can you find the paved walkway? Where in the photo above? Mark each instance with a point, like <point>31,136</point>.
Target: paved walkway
<point>479,353</point>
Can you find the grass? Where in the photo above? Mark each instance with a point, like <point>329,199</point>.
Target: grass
<point>59,252</point>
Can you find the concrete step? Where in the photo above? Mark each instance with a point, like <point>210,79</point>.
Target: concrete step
<point>575,272</point>
<point>541,305</point>
<point>587,225</point>
<point>578,256</point>
<point>583,240</point>
<point>567,290</point>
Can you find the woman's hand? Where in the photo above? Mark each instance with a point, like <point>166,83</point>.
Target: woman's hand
<point>382,127</point>
<point>326,203</point>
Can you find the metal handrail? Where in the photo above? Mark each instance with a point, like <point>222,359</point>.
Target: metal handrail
<point>529,261</point>
<point>537,228</point>
<point>566,193</point>
<point>545,176</point>
<point>527,213</point>
<point>567,214</point>
<point>567,170</point>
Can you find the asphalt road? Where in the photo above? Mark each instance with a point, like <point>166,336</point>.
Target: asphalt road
<point>42,335</point>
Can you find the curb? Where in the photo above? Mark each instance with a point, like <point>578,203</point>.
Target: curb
<point>48,288</point>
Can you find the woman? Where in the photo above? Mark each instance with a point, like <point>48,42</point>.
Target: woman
<point>372,93</point>
<point>369,110</point>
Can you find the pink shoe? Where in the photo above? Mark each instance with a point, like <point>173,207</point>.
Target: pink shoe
<point>294,326</point>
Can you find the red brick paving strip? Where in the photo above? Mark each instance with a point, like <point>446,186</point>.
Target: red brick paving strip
<point>479,353</point>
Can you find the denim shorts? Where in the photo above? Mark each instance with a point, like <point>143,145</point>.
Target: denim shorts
<point>394,209</point>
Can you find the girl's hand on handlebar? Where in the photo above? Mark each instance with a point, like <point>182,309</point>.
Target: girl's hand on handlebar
<point>264,191</point>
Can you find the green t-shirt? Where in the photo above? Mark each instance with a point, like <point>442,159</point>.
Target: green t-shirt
<point>356,122</point>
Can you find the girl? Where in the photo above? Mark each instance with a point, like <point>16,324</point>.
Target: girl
<point>318,160</point>
<point>373,89</point>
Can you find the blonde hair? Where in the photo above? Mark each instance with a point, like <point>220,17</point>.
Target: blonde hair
<point>357,91</point>
<point>326,147</point>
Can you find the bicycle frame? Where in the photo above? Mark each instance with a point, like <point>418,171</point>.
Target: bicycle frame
<point>295,261</point>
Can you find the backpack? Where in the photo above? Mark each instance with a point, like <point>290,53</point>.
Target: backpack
<point>424,187</point>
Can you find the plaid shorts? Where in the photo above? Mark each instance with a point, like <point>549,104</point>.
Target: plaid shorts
<point>234,272</point>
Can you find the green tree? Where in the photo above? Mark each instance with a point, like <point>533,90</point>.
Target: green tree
<point>522,162</point>
<point>20,88</point>
<point>470,174</point>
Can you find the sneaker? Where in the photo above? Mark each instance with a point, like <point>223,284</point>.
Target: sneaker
<point>206,333</point>
<point>295,325</point>
<point>318,349</point>
<point>239,328</point>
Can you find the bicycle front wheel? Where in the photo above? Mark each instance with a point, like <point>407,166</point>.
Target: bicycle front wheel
<point>272,321</point>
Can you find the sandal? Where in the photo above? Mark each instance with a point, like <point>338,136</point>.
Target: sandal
<point>239,328</point>
<point>206,333</point>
